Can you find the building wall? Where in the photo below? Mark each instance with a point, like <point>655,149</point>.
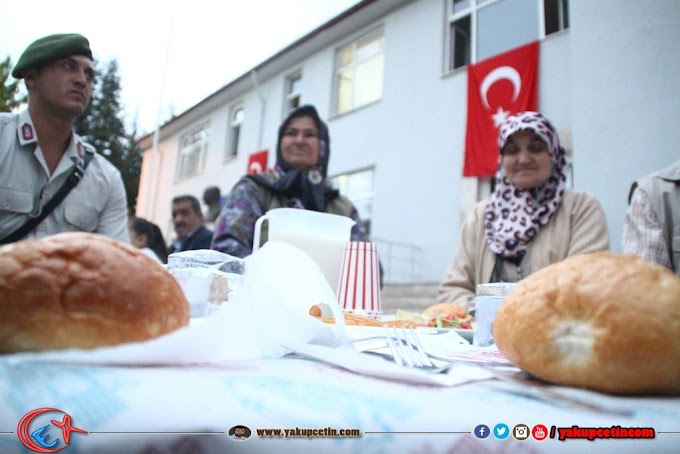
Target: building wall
<point>607,83</point>
<point>626,101</point>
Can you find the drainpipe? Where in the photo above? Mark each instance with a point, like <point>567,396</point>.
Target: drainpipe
<point>263,107</point>
<point>152,188</point>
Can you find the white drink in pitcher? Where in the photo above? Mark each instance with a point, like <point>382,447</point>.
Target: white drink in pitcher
<point>321,235</point>
<point>326,251</point>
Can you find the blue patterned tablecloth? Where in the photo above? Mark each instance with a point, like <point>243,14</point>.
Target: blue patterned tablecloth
<point>190,409</point>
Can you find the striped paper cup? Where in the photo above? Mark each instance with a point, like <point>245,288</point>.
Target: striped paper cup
<point>359,286</point>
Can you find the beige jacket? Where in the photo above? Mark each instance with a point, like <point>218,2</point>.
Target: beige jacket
<point>663,191</point>
<point>97,204</point>
<point>578,227</point>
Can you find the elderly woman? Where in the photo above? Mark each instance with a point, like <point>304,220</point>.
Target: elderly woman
<point>531,220</point>
<point>297,181</point>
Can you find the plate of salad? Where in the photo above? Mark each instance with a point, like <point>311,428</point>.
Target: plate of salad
<point>442,316</point>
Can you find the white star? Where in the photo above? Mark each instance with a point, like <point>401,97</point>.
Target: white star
<point>500,116</point>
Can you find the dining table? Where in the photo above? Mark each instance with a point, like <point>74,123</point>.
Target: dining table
<point>316,398</point>
<point>259,374</point>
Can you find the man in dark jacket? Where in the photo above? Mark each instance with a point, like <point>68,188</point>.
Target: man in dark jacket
<point>188,221</point>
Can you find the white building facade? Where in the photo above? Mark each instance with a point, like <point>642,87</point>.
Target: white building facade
<point>390,79</point>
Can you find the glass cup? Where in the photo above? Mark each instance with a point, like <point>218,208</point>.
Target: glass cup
<point>488,298</point>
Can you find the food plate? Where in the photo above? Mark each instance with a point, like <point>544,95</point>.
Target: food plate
<point>464,333</point>
<point>358,332</point>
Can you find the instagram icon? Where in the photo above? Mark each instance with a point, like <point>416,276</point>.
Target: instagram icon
<point>521,432</point>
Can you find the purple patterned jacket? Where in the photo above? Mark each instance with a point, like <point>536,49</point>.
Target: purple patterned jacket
<point>247,201</point>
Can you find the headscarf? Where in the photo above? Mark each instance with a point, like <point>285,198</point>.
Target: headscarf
<point>514,216</point>
<point>309,186</point>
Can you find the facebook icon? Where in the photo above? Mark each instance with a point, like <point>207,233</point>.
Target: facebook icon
<point>482,431</point>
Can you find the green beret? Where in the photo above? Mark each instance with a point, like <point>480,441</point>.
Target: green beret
<point>51,48</point>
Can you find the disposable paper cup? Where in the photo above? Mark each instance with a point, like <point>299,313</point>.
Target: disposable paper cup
<point>359,285</point>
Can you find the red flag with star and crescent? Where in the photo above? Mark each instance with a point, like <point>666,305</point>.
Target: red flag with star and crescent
<point>497,87</point>
<point>257,162</point>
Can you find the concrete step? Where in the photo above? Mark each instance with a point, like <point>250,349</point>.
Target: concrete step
<point>409,297</point>
<point>419,288</point>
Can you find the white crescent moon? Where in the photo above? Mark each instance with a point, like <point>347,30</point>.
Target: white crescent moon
<point>503,72</point>
<point>255,167</point>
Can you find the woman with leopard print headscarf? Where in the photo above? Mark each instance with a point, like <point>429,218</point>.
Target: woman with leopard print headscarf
<point>531,221</point>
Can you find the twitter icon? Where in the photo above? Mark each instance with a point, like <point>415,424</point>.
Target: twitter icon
<point>501,431</point>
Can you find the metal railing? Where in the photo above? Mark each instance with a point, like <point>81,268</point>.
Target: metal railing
<point>402,262</point>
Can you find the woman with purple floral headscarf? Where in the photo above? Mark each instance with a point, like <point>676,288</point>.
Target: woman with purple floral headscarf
<point>297,181</point>
<point>531,221</point>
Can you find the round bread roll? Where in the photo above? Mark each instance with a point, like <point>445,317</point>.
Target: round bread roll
<point>442,309</point>
<point>605,321</point>
<point>83,290</point>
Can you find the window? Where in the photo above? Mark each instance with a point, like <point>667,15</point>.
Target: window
<point>293,93</point>
<point>192,153</point>
<point>460,42</point>
<point>479,29</point>
<point>358,187</point>
<point>359,72</point>
<point>235,123</point>
<point>556,15</point>
<point>493,34</point>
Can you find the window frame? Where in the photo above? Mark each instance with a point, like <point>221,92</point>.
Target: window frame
<point>367,219</point>
<point>181,165</point>
<point>289,94</point>
<point>563,22</point>
<point>233,143</point>
<point>353,41</point>
<point>472,11</point>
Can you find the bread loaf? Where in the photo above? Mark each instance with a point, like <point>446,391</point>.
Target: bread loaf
<point>443,309</point>
<point>83,290</point>
<point>605,321</point>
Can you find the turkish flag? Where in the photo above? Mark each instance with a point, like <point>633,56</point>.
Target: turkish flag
<point>257,162</point>
<point>497,88</point>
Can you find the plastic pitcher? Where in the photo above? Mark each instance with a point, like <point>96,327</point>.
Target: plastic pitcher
<point>321,235</point>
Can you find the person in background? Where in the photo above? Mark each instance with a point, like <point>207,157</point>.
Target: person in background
<point>188,222</point>
<point>298,180</point>
<point>148,237</point>
<point>212,197</point>
<point>652,226</point>
<point>39,149</point>
<point>531,221</point>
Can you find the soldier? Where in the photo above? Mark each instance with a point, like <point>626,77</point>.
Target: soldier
<point>51,180</point>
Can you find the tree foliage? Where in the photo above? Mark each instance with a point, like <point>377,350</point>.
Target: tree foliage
<point>10,97</point>
<point>102,126</point>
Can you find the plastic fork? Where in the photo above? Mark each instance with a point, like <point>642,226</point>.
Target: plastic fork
<point>408,351</point>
